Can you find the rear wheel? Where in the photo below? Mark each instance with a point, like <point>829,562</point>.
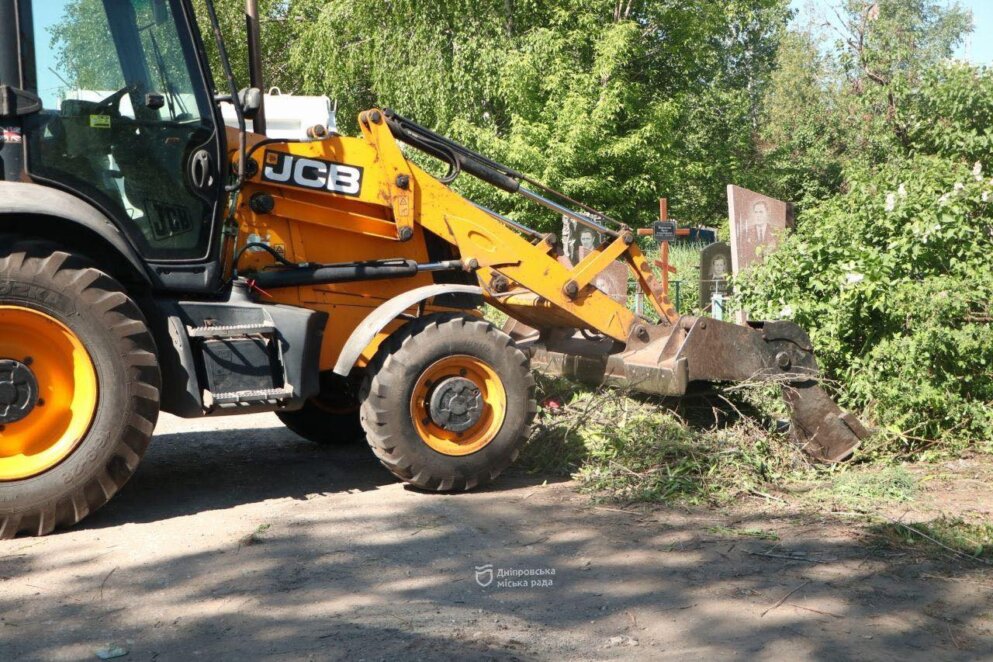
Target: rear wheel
<point>448,402</point>
<point>331,418</point>
<point>79,388</point>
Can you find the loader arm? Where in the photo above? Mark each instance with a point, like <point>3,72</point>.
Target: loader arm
<point>520,277</point>
<point>361,198</point>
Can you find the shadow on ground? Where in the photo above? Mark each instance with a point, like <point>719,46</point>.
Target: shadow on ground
<point>189,472</point>
<point>366,570</point>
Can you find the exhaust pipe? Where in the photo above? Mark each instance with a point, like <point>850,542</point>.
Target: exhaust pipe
<point>255,75</point>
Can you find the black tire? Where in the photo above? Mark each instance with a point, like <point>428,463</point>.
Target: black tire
<point>40,276</point>
<point>316,423</point>
<point>389,387</point>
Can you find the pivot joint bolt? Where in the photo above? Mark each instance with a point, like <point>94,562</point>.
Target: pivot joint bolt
<point>406,234</point>
<point>403,182</point>
<point>628,238</point>
<point>571,289</point>
<point>642,334</point>
<point>375,117</point>
<point>317,132</point>
<point>499,284</point>
<point>783,360</point>
<point>471,264</point>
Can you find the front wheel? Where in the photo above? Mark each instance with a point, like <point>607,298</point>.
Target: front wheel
<point>79,388</point>
<point>447,402</point>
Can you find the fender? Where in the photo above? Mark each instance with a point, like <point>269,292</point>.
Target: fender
<point>23,199</point>
<point>386,313</point>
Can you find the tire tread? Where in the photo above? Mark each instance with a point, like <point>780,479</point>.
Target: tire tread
<point>126,323</point>
<point>387,369</point>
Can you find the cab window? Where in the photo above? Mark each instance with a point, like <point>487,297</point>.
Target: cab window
<point>127,121</point>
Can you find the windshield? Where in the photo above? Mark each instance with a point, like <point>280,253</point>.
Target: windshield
<point>74,60</point>
<point>126,118</point>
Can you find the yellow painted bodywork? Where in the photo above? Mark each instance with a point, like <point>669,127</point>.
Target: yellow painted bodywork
<point>321,226</point>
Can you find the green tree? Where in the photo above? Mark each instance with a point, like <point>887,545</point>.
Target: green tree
<point>828,108</point>
<point>277,35</point>
<point>615,103</point>
<point>889,264</point>
<point>802,136</point>
<point>82,42</point>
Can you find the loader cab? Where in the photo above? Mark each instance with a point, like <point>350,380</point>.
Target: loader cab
<point>129,124</point>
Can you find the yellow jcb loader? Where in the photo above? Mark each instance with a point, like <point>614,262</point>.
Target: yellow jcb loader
<point>151,259</point>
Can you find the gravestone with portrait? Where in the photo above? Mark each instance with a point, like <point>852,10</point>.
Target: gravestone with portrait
<point>578,241</point>
<point>715,268</point>
<point>757,226</point>
<point>758,223</point>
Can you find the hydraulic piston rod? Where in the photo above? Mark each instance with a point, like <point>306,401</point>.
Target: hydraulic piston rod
<point>565,211</point>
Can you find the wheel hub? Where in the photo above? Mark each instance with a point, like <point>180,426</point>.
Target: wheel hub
<point>18,391</point>
<point>47,401</point>
<point>456,404</point>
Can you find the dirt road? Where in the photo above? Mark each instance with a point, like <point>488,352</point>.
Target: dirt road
<point>236,540</point>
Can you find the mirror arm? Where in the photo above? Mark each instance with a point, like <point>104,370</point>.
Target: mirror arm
<point>233,85</point>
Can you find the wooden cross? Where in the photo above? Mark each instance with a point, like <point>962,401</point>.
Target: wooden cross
<point>663,263</point>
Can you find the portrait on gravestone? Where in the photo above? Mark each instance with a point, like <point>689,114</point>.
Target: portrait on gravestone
<point>757,225</point>
<point>570,239</point>
<point>588,240</point>
<point>578,241</point>
<point>715,268</point>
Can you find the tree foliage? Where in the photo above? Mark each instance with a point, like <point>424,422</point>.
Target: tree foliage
<point>277,34</point>
<point>81,40</point>
<point>890,270</point>
<point>613,102</point>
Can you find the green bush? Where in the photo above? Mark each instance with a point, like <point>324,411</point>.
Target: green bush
<point>893,276</point>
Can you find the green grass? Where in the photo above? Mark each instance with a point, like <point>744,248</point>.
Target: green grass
<point>711,446</point>
<point>940,537</point>
<point>623,447</point>
<point>685,257</point>
<point>864,488</point>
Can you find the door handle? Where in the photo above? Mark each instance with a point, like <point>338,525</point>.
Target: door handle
<point>201,170</point>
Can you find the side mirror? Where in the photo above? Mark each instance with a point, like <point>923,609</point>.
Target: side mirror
<point>250,99</point>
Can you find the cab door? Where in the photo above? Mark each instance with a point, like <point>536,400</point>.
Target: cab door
<point>128,122</point>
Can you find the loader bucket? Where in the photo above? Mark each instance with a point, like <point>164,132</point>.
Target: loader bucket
<point>703,349</point>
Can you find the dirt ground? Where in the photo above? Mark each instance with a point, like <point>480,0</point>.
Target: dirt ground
<point>236,539</point>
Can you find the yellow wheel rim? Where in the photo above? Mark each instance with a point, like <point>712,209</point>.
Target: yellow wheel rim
<point>490,419</point>
<point>67,392</point>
